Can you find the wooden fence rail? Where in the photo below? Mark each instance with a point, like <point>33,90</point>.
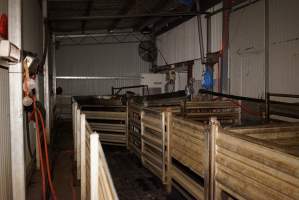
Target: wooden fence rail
<point>92,169</point>
<point>255,163</point>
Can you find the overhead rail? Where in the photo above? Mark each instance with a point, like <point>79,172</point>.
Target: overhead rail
<point>103,17</point>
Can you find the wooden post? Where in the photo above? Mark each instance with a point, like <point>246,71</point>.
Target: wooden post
<point>127,125</point>
<point>83,157</point>
<point>94,167</point>
<point>163,117</point>
<point>75,129</point>
<point>77,153</point>
<point>169,160</point>
<point>142,133</point>
<point>210,189</point>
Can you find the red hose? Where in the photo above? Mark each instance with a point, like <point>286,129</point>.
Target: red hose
<point>47,156</point>
<point>40,152</point>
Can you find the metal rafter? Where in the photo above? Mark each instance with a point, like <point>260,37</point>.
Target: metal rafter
<point>103,17</point>
<point>100,38</point>
<point>87,13</point>
<point>124,10</point>
<point>158,7</point>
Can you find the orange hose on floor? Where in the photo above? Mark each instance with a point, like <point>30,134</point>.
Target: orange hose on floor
<point>47,156</point>
<point>40,152</point>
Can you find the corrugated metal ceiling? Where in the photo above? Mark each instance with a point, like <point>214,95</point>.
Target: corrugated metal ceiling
<point>88,8</point>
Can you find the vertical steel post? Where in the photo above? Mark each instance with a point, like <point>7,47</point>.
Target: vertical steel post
<point>46,73</point>
<point>53,102</point>
<point>267,49</point>
<point>16,106</point>
<point>225,44</point>
<point>200,36</point>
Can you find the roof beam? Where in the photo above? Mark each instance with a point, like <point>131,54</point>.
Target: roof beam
<point>105,17</point>
<point>128,5</point>
<point>141,23</point>
<point>164,26</point>
<point>87,13</point>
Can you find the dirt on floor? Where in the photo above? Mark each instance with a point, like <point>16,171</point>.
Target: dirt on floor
<point>132,181</point>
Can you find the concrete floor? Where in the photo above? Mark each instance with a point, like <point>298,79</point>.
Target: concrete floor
<point>131,179</point>
<point>62,166</point>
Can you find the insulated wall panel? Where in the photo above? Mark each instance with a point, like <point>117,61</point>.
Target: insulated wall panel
<point>5,147</point>
<point>284,43</point>
<point>181,43</point>
<point>108,60</point>
<point>216,29</point>
<point>247,60</point>
<point>246,51</point>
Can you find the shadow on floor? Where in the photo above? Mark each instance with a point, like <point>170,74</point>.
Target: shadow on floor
<point>131,179</point>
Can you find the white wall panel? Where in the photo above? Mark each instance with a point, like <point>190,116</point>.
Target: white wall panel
<point>98,60</point>
<point>5,155</point>
<point>284,51</point>
<point>216,29</point>
<point>247,49</point>
<point>181,43</point>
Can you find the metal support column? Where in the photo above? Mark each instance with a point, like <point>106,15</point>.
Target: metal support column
<point>200,36</point>
<point>46,73</point>
<point>53,74</point>
<point>267,49</point>
<point>225,44</point>
<point>16,106</point>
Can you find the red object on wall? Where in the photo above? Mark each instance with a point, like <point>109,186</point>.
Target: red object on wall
<point>3,26</point>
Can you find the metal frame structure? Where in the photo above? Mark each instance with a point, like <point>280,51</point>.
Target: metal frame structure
<point>100,38</point>
<point>103,17</point>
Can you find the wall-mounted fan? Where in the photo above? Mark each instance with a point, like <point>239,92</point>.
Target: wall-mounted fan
<point>148,51</point>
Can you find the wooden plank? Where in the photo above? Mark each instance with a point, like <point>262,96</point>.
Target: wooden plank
<point>109,127</point>
<point>83,157</point>
<point>187,183</point>
<point>104,115</point>
<point>94,164</point>
<point>78,143</point>
<point>286,163</point>
<point>246,187</point>
<point>254,163</point>
<point>245,170</point>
